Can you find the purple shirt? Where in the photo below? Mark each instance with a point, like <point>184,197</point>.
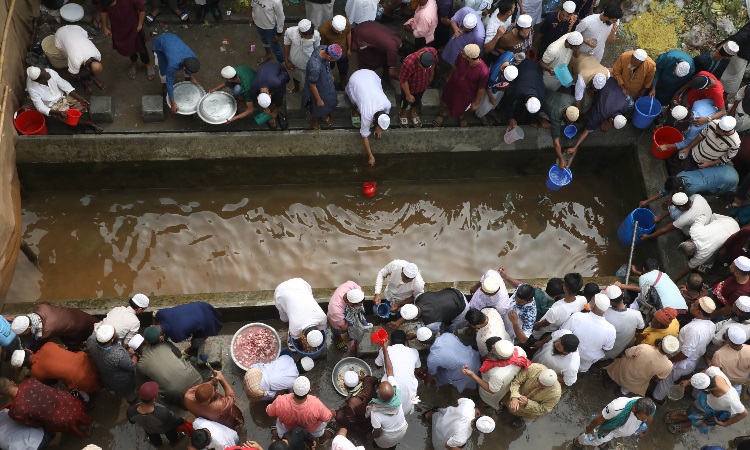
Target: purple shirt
<point>456,44</point>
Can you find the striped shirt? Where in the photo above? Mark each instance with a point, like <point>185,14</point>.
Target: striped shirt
<point>715,146</point>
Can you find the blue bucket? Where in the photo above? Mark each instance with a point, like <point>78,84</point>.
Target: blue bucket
<point>570,131</point>
<point>557,177</point>
<point>646,225</point>
<point>563,74</point>
<point>383,310</point>
<point>646,110</point>
<point>314,354</point>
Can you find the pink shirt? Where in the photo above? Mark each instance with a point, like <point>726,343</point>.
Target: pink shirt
<point>425,21</point>
<point>308,415</point>
<point>337,306</point>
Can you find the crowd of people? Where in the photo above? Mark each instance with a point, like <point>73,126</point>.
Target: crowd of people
<point>504,61</point>
<point>509,356</point>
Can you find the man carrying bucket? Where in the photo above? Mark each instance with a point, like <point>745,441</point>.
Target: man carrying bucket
<point>717,144</point>
<point>561,110</point>
<point>54,97</point>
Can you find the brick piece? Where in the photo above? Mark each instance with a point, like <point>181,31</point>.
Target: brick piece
<point>101,109</point>
<point>152,108</point>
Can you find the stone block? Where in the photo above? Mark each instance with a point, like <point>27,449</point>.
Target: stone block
<point>431,102</point>
<point>152,108</point>
<point>101,109</point>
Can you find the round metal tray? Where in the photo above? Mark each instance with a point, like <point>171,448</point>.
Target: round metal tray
<point>72,12</point>
<point>217,107</point>
<point>187,95</point>
<point>258,325</point>
<point>342,366</point>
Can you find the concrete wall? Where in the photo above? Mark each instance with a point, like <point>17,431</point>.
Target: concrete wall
<point>16,18</point>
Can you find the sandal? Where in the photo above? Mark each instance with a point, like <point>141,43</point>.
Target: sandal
<point>678,428</point>
<point>272,124</point>
<point>329,122</point>
<point>438,123</point>
<point>404,122</point>
<point>96,23</point>
<point>670,413</point>
<point>462,122</point>
<point>315,127</point>
<point>342,346</point>
<point>417,122</point>
<point>518,423</point>
<point>150,74</point>
<point>356,121</point>
<point>151,18</point>
<point>184,17</point>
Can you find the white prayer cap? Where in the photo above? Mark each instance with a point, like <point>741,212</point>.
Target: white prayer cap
<point>670,344</point>
<point>679,112</point>
<point>602,302</point>
<point>492,284</point>
<point>105,333</point>
<point>742,263</point>
<point>301,386</point>
<point>485,424</point>
<point>736,334</point>
<point>355,296</point>
<point>135,342</point>
<point>307,363</point>
<point>411,270</point>
<point>33,72</point>
<point>141,300</point>
<point>264,100</point>
<point>679,198</point>
<point>640,54</point>
<point>424,334</point>
<point>16,359</point>
<point>470,21</point>
<point>384,121</point>
<point>524,21</point>
<point>612,292</point>
<point>484,4</point>
<point>510,73</point>
<point>351,379</point>
<point>20,324</point>
<point>409,311</point>
<point>707,304</point>
<point>304,25</point>
<point>548,377</point>
<point>228,72</point>
<point>700,380</point>
<point>620,121</point>
<point>682,69</point>
<point>731,48</point>
<point>315,338</point>
<point>727,123</point>
<point>533,105</point>
<point>569,7</point>
<point>339,23</point>
<point>599,81</point>
<point>575,38</point>
<point>504,348</point>
<point>92,447</point>
<point>743,303</point>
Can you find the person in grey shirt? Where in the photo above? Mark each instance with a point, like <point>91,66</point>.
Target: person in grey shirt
<point>116,365</point>
<point>161,362</point>
<point>153,417</point>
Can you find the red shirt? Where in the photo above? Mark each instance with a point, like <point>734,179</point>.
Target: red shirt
<point>715,92</point>
<point>413,73</point>
<point>308,415</point>
<point>728,291</point>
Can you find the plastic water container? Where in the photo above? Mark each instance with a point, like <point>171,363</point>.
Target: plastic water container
<point>570,131</point>
<point>676,392</point>
<point>56,57</point>
<point>72,117</point>
<point>379,336</point>
<point>646,110</point>
<point>563,74</point>
<point>383,310</point>
<point>511,136</point>
<point>557,177</point>
<point>314,354</point>
<point>30,121</point>
<point>646,225</point>
<point>665,135</point>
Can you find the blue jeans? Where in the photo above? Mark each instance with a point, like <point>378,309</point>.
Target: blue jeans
<point>267,37</point>
<point>236,90</point>
<point>691,134</point>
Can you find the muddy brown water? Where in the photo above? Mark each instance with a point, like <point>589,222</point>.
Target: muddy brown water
<point>163,241</point>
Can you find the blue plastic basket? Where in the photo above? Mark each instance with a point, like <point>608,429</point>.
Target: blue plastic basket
<point>314,354</point>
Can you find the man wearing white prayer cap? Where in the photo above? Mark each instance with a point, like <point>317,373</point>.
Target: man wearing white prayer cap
<point>301,409</point>
<point>360,390</point>
<point>555,25</point>
<point>52,363</point>
<point>684,211</point>
<point>54,97</point>
<point>441,311</point>
<point>365,92</point>
<point>296,305</point>
<point>716,61</point>
<point>452,426</point>
<point>312,340</point>
<point>734,357</point>
<point>71,326</point>
<point>714,393</point>
<point>405,283</point>
<point>674,68</point>
<point>533,393</point>
<point>717,144</point>
<point>116,364</point>
<point>499,368</point>
<point>559,53</point>
<point>639,365</point>
<point>466,28</point>
<point>707,235</point>
<point>348,295</point>
<point>338,30</point>
<point>634,72</point>
<point>17,358</point>
<point>125,318</point>
<point>596,336</point>
<point>490,292</point>
<point>299,43</point>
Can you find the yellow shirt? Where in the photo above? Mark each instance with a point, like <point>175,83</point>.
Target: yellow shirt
<point>651,335</point>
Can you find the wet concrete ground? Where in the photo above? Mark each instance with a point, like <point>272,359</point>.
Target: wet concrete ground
<point>552,431</point>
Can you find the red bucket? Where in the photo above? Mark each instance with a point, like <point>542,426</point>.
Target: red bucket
<point>379,336</point>
<point>30,121</point>
<point>73,116</point>
<point>665,135</point>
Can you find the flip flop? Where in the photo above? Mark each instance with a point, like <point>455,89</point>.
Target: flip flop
<point>518,423</point>
<point>678,428</point>
<point>329,122</point>
<point>356,121</point>
<point>417,122</point>
<point>184,17</point>
<point>404,122</point>
<point>151,18</point>
<point>96,23</point>
<point>669,414</point>
<point>150,74</point>
<point>342,346</point>
<point>131,73</point>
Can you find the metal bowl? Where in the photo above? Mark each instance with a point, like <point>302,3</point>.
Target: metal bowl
<point>187,95</point>
<point>217,107</point>
<point>257,325</point>
<point>72,12</point>
<point>342,366</point>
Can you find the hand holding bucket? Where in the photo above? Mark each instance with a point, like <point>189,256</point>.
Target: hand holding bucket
<point>72,116</point>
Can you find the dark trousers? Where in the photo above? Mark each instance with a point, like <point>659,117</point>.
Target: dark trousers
<point>171,435</point>
<point>343,66</point>
<point>142,50</point>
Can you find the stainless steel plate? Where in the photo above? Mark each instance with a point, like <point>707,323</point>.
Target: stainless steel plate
<point>215,108</point>
<point>187,95</point>
<point>355,364</point>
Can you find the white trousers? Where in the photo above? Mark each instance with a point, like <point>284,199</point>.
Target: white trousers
<point>679,370</point>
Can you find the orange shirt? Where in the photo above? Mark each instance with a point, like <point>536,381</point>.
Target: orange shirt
<point>75,369</point>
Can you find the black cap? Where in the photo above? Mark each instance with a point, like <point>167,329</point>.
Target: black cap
<point>192,65</point>
<point>427,59</point>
